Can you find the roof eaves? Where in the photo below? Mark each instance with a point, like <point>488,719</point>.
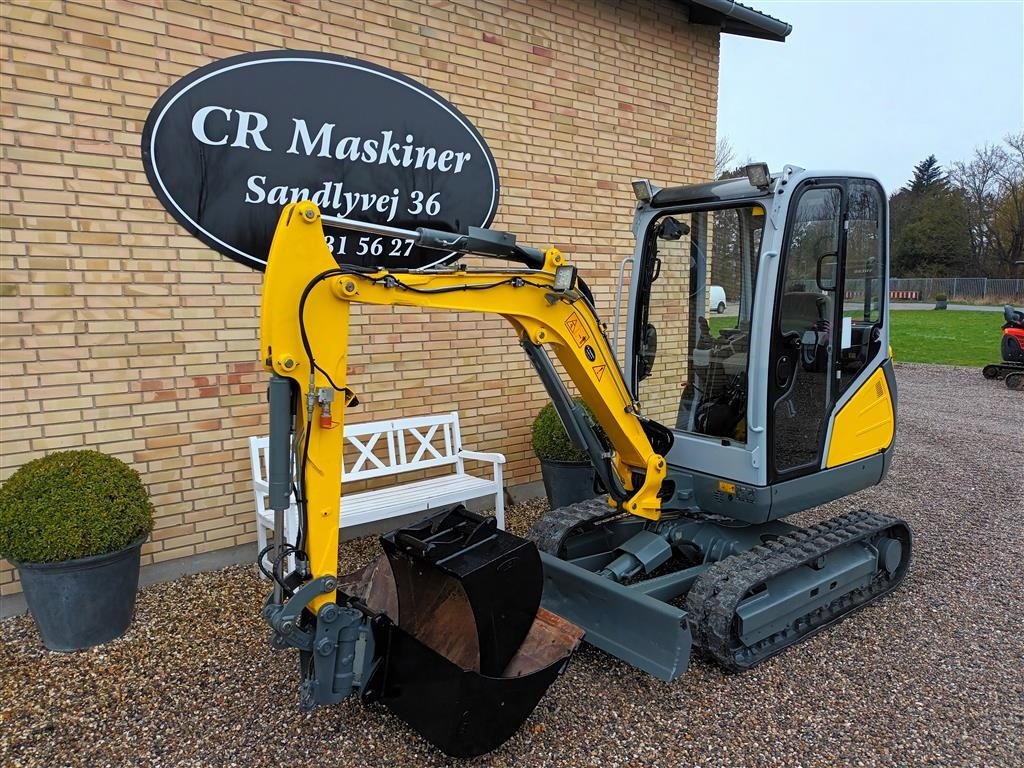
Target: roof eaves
<point>737,19</point>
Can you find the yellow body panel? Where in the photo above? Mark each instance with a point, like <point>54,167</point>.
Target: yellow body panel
<point>865,425</point>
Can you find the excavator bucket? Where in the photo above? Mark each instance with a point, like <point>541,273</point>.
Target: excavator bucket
<point>464,650</point>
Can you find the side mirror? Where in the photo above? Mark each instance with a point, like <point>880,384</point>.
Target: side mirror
<point>828,271</point>
<point>672,229</point>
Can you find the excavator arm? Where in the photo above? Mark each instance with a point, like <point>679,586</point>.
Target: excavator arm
<point>305,338</point>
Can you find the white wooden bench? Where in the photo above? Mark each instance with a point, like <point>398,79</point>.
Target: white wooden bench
<point>386,448</point>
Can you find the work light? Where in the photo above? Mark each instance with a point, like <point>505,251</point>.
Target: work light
<point>758,175</point>
<point>565,278</point>
<point>643,190</point>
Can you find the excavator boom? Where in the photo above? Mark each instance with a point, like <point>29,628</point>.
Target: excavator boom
<point>304,337</point>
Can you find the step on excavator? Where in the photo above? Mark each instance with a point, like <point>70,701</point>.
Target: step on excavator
<point>709,434</point>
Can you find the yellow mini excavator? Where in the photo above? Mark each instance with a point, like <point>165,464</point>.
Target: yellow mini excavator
<point>710,432</point>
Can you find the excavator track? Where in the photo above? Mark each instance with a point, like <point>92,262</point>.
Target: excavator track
<point>553,527</point>
<point>714,598</point>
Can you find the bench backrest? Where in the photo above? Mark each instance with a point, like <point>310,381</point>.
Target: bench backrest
<point>401,445</point>
<point>380,448</point>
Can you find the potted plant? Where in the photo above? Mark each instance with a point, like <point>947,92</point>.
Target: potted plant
<point>567,471</point>
<point>940,301</point>
<point>73,523</point>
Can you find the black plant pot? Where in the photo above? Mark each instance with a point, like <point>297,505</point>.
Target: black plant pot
<point>567,482</point>
<point>81,603</point>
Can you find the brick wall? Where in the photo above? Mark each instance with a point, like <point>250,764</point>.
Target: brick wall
<point>121,332</point>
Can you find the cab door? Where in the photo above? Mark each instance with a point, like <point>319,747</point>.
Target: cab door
<point>799,393</point>
<point>829,310</point>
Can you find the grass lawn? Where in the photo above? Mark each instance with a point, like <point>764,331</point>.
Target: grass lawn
<point>934,336</point>
<point>945,337</point>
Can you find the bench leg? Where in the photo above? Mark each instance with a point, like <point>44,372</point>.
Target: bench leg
<point>291,533</point>
<point>499,498</point>
<point>291,530</point>
<point>261,542</point>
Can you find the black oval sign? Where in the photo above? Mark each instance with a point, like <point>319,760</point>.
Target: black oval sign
<point>231,143</point>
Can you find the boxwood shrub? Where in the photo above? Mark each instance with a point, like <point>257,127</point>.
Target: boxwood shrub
<point>550,441</point>
<point>71,504</point>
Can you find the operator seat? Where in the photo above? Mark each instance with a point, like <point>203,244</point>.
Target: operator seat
<point>1014,317</point>
<point>801,310</point>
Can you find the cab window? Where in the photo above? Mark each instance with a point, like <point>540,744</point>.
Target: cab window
<point>693,333</point>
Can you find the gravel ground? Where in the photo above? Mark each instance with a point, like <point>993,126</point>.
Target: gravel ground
<point>932,675</point>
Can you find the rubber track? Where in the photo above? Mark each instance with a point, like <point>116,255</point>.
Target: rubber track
<point>550,530</point>
<point>1001,370</point>
<point>714,598</point>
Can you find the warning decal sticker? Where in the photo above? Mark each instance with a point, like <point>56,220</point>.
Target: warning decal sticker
<point>599,371</point>
<point>577,329</point>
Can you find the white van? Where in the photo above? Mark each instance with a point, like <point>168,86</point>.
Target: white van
<point>717,301</point>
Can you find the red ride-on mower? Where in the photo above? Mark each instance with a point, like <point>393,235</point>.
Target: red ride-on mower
<point>1012,367</point>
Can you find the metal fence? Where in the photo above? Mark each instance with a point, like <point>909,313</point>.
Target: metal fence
<point>965,288</point>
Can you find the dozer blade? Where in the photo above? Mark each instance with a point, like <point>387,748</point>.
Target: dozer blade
<point>464,650</point>
<point>648,634</point>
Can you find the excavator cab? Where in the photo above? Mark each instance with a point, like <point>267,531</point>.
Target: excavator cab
<point>758,397</point>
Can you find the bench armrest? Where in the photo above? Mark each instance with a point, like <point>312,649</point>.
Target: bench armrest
<point>494,458</point>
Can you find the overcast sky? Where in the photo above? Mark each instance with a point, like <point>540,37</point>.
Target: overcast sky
<point>874,85</point>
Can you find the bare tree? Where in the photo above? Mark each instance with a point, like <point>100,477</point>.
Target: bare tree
<point>976,180</point>
<point>1009,224</point>
<point>724,156</point>
<point>992,183</point>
